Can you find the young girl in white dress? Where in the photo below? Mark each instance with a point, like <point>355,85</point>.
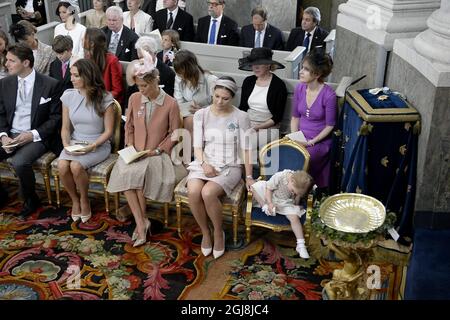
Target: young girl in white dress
<point>282,194</point>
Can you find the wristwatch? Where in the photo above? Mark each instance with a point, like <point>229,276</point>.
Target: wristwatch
<point>157,151</point>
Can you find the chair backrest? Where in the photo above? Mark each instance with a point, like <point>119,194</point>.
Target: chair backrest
<point>280,155</point>
<point>117,120</point>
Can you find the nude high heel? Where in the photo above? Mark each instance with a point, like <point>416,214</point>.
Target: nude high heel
<point>140,242</point>
<point>218,253</point>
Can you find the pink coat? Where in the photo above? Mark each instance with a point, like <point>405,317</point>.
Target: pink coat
<point>164,120</point>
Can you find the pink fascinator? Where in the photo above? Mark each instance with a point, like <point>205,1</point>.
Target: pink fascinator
<point>139,68</point>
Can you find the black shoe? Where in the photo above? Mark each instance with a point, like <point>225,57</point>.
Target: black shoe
<point>30,207</point>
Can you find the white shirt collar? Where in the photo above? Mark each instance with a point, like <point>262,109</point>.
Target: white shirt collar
<point>174,13</point>
<point>119,32</point>
<point>29,78</point>
<point>219,19</point>
<point>311,32</point>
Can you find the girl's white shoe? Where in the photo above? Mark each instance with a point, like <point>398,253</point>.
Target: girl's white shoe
<point>301,249</point>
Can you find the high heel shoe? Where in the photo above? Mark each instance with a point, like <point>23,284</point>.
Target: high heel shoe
<point>205,251</point>
<point>218,253</point>
<point>75,217</point>
<point>140,242</point>
<point>134,236</point>
<point>85,218</point>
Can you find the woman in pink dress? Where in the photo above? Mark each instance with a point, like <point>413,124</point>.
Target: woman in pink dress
<point>314,113</point>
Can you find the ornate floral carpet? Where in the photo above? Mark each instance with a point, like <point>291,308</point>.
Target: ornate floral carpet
<point>48,256</point>
<point>275,272</point>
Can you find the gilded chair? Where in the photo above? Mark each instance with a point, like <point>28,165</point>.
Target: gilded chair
<point>166,205</point>
<point>98,174</point>
<point>274,157</point>
<point>41,165</point>
<point>231,204</point>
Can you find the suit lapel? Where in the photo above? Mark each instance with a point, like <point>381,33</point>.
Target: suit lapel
<point>11,101</point>
<point>120,44</point>
<point>37,94</point>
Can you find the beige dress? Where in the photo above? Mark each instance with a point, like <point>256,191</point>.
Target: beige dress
<point>223,140</point>
<point>95,21</point>
<point>155,175</point>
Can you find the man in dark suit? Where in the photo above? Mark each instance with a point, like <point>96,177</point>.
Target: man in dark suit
<point>60,67</point>
<point>310,35</point>
<point>119,38</point>
<point>30,115</point>
<point>172,17</point>
<point>217,28</point>
<point>260,33</point>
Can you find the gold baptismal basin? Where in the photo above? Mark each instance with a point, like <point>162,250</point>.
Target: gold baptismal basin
<point>352,212</point>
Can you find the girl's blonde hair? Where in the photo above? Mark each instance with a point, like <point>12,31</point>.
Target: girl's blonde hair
<point>302,180</point>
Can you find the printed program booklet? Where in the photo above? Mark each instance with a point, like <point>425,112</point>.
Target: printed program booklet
<point>129,154</point>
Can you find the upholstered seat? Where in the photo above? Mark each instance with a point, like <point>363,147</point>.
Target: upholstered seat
<point>42,165</point>
<point>231,204</point>
<point>274,157</point>
<point>98,174</point>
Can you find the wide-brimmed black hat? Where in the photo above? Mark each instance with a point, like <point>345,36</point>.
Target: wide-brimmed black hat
<point>258,56</point>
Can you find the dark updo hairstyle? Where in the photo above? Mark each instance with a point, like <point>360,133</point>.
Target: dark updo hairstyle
<point>22,29</point>
<point>320,62</point>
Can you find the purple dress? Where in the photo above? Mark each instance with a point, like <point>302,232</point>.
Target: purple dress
<point>321,114</point>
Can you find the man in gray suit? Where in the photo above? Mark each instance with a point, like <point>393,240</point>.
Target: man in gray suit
<point>30,118</point>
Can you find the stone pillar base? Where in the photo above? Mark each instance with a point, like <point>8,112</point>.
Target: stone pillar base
<point>426,85</point>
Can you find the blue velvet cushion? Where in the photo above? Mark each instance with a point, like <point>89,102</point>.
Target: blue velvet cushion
<point>279,219</point>
<point>290,158</point>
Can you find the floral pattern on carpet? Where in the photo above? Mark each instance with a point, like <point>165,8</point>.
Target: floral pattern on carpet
<point>275,272</point>
<point>48,256</point>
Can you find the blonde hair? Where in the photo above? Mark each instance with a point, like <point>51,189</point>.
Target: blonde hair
<point>302,180</point>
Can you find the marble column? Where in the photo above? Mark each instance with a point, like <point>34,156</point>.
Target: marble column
<point>366,30</point>
<point>420,67</point>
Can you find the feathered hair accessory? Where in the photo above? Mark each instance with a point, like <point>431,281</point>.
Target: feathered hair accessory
<point>145,65</point>
<point>139,68</point>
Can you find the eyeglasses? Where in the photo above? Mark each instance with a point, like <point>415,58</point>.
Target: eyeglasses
<point>213,4</point>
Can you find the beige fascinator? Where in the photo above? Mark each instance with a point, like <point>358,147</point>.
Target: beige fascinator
<point>139,68</point>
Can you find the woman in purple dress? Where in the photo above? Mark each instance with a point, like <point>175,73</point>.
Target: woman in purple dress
<point>314,113</point>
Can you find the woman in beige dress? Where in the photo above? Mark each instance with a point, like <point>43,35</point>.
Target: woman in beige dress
<point>152,116</point>
<point>220,148</point>
<point>96,18</point>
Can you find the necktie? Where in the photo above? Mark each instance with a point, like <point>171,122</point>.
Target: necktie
<point>306,41</point>
<point>113,43</point>
<point>258,39</point>
<point>22,89</point>
<point>64,69</point>
<point>170,21</point>
<point>212,34</point>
